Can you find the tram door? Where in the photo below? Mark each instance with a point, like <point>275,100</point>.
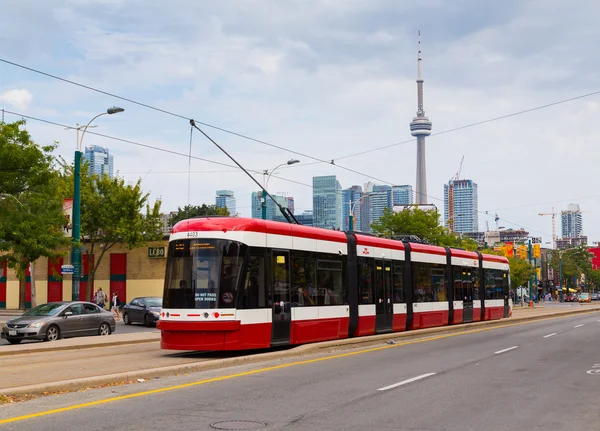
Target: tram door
<point>384,304</point>
<point>467,289</point>
<point>282,311</point>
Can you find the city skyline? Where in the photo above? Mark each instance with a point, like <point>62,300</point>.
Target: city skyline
<point>331,86</point>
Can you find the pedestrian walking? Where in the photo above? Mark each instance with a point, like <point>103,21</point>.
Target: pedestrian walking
<point>100,298</point>
<point>116,303</point>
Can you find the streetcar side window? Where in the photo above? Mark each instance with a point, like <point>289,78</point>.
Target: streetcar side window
<point>304,282</point>
<point>253,292</point>
<point>399,296</point>
<point>365,280</point>
<point>496,283</point>
<point>429,282</point>
<point>330,283</point>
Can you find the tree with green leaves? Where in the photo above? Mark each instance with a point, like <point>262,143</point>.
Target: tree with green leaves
<point>190,211</point>
<point>424,224</point>
<point>520,271</point>
<point>112,212</point>
<point>575,261</point>
<point>30,204</point>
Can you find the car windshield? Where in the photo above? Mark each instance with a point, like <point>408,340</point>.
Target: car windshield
<point>44,310</point>
<point>154,302</point>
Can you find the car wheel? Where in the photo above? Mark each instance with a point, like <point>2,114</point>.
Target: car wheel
<point>13,340</point>
<point>147,320</point>
<point>104,329</point>
<point>52,333</point>
<point>126,319</point>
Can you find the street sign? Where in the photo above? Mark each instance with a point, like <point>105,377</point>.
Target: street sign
<point>67,269</point>
<point>156,252</point>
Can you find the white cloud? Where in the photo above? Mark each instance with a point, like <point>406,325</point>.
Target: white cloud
<point>19,99</point>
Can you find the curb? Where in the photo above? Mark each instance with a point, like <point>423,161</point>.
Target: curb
<point>4,352</point>
<point>349,343</point>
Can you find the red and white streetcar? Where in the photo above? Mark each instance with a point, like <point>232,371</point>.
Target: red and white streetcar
<point>238,283</point>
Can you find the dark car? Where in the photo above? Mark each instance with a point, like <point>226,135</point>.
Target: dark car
<point>144,310</point>
<point>56,320</point>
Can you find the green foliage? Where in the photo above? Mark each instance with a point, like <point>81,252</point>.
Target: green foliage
<point>575,261</point>
<point>422,223</point>
<point>112,212</point>
<point>520,271</point>
<point>31,202</point>
<point>190,211</point>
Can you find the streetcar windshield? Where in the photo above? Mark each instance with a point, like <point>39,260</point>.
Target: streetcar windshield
<point>203,273</point>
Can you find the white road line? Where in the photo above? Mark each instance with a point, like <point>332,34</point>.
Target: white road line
<point>550,335</point>
<point>578,326</point>
<point>405,382</point>
<point>506,350</point>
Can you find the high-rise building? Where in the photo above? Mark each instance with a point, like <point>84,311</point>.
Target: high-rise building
<point>379,199</point>
<point>100,160</point>
<point>167,225</point>
<point>571,222</point>
<point>273,211</point>
<point>290,204</point>
<point>226,199</point>
<point>461,212</point>
<point>351,200</point>
<point>403,195</point>
<point>306,218</point>
<point>420,127</point>
<point>327,202</point>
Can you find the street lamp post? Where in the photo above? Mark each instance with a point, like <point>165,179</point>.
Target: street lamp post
<point>263,195</point>
<point>76,251</point>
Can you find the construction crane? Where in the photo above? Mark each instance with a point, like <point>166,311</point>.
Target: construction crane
<point>553,214</point>
<point>457,174</point>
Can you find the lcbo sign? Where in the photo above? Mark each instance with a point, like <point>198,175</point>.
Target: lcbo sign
<point>156,252</point>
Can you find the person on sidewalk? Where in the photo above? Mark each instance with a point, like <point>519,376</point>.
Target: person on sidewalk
<point>100,298</point>
<point>116,303</point>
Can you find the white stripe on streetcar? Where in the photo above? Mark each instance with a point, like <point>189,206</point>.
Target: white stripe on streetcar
<point>506,350</point>
<point>405,382</point>
<point>578,326</point>
<point>550,335</point>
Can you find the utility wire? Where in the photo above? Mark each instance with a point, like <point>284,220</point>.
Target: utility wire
<point>152,147</point>
<point>164,111</point>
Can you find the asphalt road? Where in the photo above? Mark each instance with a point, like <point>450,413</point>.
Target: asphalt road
<point>540,375</point>
<point>121,329</point>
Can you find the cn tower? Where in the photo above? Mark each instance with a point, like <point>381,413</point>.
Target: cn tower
<point>420,127</point>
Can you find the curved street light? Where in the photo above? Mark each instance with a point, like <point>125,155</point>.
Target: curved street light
<point>264,198</point>
<point>351,214</point>
<point>76,251</point>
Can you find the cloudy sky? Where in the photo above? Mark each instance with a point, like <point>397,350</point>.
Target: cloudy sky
<point>327,79</point>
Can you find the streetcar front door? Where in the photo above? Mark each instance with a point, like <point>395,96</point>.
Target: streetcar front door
<point>282,311</point>
<point>467,285</point>
<point>384,304</point>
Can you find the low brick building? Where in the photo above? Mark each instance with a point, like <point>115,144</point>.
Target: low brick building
<point>130,273</point>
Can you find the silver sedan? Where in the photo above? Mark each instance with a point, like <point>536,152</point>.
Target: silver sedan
<point>56,320</point>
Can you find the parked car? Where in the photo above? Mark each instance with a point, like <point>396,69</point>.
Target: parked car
<point>595,296</point>
<point>55,320</point>
<point>144,310</point>
<point>585,297</point>
<point>570,298</point>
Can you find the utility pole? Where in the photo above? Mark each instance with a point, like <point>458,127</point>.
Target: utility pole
<point>560,291</point>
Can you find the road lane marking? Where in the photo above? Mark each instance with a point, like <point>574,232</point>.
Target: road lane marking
<point>262,370</point>
<point>578,326</point>
<point>550,335</point>
<point>506,350</point>
<point>405,382</point>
